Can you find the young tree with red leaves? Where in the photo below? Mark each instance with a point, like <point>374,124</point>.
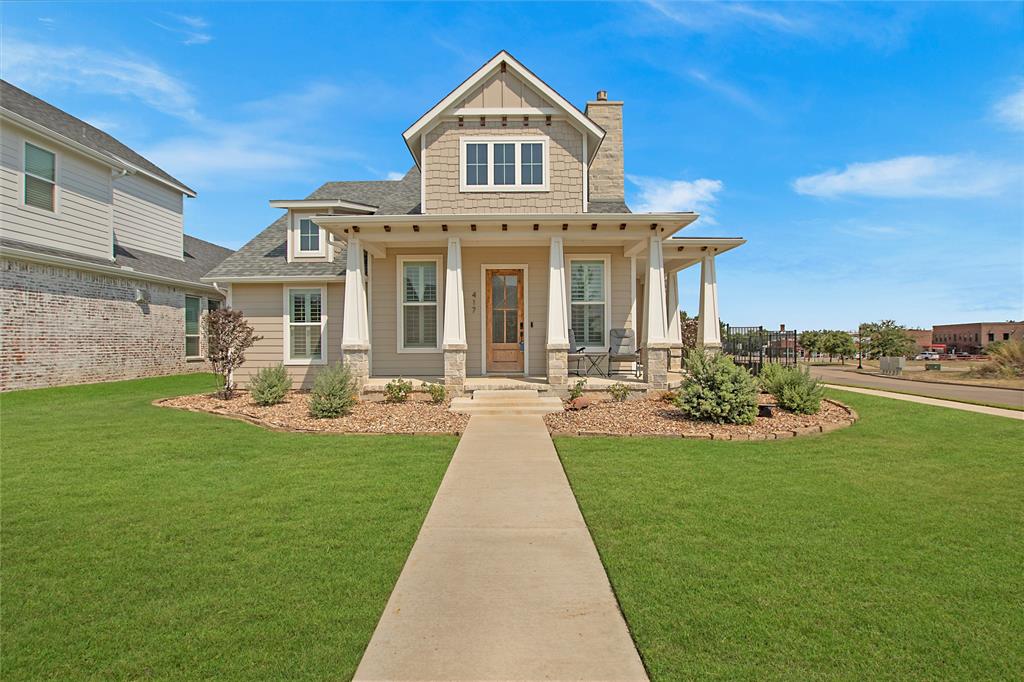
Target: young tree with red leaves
<point>228,336</point>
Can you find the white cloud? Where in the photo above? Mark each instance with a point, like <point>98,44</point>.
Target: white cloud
<point>1010,109</point>
<point>658,194</point>
<point>731,92</point>
<point>394,175</point>
<point>952,176</point>
<point>192,29</point>
<point>40,66</point>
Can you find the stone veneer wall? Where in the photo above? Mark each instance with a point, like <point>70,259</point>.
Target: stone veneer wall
<point>66,326</point>
<point>565,179</point>
<point>607,171</point>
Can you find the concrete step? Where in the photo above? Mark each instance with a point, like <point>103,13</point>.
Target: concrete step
<point>506,411</point>
<point>497,403</point>
<point>510,393</point>
<point>513,402</point>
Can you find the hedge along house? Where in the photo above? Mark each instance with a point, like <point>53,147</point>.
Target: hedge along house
<point>510,231</point>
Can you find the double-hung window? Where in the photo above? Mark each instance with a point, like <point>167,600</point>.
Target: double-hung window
<point>193,308</point>
<point>309,237</point>
<point>40,177</point>
<point>419,314</point>
<point>588,291</point>
<point>306,322</point>
<point>504,164</point>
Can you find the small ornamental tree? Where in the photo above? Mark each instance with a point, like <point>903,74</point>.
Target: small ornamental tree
<point>886,339</point>
<point>228,336</point>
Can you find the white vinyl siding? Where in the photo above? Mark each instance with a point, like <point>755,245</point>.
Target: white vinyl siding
<point>588,293</point>
<point>505,164</point>
<point>193,314</point>
<point>306,322</point>
<point>419,318</point>
<point>82,221</point>
<point>40,177</point>
<point>148,216</point>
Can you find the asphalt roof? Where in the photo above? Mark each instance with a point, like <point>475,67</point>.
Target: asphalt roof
<point>266,255</point>
<point>45,114</point>
<point>199,257</point>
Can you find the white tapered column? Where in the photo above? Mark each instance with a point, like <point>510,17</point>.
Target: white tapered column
<point>454,340</point>
<point>355,330</point>
<point>675,327</point>
<point>558,317</point>
<point>656,319</point>
<point>709,331</point>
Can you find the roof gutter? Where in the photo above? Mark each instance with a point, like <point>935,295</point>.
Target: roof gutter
<point>274,279</point>
<point>25,254</point>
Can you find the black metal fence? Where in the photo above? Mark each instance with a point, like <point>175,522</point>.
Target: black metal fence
<point>754,346</point>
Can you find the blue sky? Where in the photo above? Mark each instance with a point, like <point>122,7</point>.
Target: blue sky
<point>871,153</point>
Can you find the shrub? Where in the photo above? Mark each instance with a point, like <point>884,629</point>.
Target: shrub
<point>334,392</point>
<point>1006,360</point>
<point>717,390</point>
<point>619,391</point>
<point>792,387</point>
<point>397,390</point>
<point>576,391</point>
<point>670,396</point>
<point>437,393</point>
<point>270,385</point>
<point>228,336</point>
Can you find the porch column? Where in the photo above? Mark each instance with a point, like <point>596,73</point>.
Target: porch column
<point>709,331</point>
<point>675,327</point>
<point>454,340</point>
<point>558,319</point>
<point>656,319</point>
<point>355,331</point>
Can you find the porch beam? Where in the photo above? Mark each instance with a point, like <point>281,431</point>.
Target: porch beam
<point>709,331</point>
<point>635,249</point>
<point>375,250</point>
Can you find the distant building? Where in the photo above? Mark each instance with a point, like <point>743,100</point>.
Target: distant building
<point>975,337</point>
<point>922,338</point>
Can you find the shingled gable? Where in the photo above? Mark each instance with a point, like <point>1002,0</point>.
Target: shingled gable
<point>501,63</point>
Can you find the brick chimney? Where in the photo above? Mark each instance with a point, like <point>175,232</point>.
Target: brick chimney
<point>607,171</point>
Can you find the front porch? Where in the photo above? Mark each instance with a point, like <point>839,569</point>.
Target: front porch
<point>595,384</point>
<point>515,299</point>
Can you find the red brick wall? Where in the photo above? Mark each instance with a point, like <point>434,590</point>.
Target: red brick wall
<point>973,336</point>
<point>65,326</point>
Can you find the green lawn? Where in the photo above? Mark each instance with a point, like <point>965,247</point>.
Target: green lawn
<point>893,549</point>
<point>145,542</point>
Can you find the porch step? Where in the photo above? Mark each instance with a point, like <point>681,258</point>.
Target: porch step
<point>506,403</point>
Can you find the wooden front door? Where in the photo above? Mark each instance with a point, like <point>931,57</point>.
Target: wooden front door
<point>505,332</point>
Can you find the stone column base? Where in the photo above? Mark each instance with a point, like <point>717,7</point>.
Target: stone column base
<point>656,368</point>
<point>455,371</point>
<point>712,348</point>
<point>558,369</point>
<point>675,358</point>
<point>358,361</point>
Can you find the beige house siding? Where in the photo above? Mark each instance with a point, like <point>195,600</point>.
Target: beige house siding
<point>442,169</point>
<point>148,216</point>
<point>385,360</point>
<point>504,90</point>
<point>263,305</point>
<point>83,220</point>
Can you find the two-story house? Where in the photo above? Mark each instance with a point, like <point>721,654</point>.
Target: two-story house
<point>507,243</point>
<point>97,279</point>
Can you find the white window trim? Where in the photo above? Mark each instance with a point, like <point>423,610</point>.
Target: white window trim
<point>286,319</point>
<point>56,180</point>
<point>607,259</point>
<point>490,141</point>
<point>400,300</point>
<point>199,335</point>
<point>484,267</point>
<point>295,242</point>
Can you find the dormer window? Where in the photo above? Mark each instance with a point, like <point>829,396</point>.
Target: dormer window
<point>504,164</point>
<point>309,236</point>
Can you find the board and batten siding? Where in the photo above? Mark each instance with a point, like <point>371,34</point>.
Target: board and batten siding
<point>148,216</point>
<point>263,306</point>
<point>385,360</point>
<point>83,220</point>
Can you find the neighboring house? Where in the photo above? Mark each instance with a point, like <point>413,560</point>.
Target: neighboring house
<point>975,337</point>
<point>510,229</point>
<point>97,279</point>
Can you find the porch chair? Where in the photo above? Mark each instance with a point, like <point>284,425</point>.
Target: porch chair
<point>576,353</point>
<point>621,350</point>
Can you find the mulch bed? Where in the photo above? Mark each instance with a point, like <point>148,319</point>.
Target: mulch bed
<point>418,415</point>
<point>655,417</point>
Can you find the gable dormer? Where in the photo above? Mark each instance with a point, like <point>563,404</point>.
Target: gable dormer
<point>504,142</point>
<point>306,241</point>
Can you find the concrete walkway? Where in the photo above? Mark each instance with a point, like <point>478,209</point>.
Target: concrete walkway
<point>966,407</point>
<point>504,581</point>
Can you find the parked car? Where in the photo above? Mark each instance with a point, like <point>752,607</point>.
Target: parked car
<point>926,356</point>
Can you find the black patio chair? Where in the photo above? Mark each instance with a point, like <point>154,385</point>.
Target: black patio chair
<point>621,350</point>
<point>576,353</point>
